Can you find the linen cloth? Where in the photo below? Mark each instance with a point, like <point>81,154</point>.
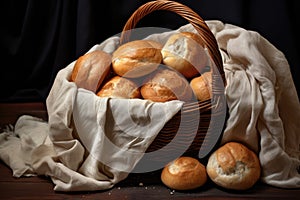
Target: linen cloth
<point>263,111</point>
<point>263,102</point>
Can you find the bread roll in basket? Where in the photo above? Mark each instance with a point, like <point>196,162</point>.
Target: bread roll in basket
<point>196,128</point>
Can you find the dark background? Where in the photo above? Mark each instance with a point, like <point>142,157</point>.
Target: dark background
<point>40,37</point>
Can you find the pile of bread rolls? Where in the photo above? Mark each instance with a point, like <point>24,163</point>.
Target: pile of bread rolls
<point>232,166</point>
<point>146,69</point>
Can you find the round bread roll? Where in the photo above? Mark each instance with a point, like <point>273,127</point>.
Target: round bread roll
<point>202,86</point>
<point>184,173</point>
<point>184,52</point>
<point>119,87</point>
<point>136,58</point>
<point>234,166</point>
<point>166,85</point>
<point>91,69</point>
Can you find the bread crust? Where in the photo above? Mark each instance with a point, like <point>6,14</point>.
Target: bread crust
<point>184,52</point>
<point>120,87</point>
<point>91,69</point>
<point>137,58</point>
<point>184,173</point>
<point>202,86</point>
<point>166,85</point>
<point>234,166</point>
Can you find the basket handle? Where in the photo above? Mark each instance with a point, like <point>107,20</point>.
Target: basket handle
<point>188,14</point>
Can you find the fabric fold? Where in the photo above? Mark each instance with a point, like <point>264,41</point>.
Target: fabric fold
<point>263,102</point>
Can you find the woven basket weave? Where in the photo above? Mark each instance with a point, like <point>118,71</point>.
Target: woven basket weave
<point>198,125</point>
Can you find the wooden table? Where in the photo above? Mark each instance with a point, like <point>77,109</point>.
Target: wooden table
<point>136,186</point>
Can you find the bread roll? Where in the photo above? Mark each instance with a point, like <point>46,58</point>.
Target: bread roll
<point>166,85</point>
<point>137,58</point>
<point>202,86</point>
<point>90,69</point>
<point>184,52</point>
<point>119,87</point>
<point>234,166</point>
<point>184,173</point>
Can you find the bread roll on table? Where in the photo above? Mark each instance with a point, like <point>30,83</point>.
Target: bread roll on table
<point>184,173</point>
<point>234,166</point>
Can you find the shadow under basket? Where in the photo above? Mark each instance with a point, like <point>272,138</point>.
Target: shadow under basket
<point>196,129</point>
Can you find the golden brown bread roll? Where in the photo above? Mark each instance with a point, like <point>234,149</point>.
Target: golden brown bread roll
<point>184,173</point>
<point>184,52</point>
<point>136,58</point>
<point>166,85</point>
<point>234,166</point>
<point>119,87</point>
<point>202,86</point>
<point>90,69</point>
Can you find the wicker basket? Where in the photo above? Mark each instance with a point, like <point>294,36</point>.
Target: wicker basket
<point>195,130</point>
